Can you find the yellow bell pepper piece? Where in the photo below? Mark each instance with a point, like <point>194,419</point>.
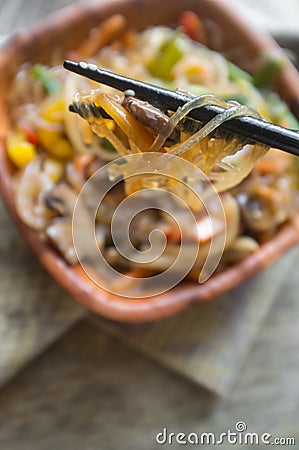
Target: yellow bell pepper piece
<point>56,145</point>
<point>19,151</point>
<point>53,140</point>
<point>52,109</point>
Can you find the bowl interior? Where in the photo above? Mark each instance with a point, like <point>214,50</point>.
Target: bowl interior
<point>62,32</point>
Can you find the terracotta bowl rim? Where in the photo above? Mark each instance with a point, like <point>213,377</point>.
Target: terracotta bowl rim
<point>73,280</point>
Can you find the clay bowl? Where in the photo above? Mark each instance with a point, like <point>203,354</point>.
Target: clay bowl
<point>65,30</point>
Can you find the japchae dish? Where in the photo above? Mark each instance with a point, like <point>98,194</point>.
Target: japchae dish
<point>55,151</point>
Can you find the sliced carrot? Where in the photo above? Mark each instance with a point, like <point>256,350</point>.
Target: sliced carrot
<point>193,26</point>
<point>82,161</point>
<point>268,193</point>
<point>29,134</point>
<point>102,35</point>
<point>275,162</point>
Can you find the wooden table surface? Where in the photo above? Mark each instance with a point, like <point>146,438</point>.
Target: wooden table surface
<point>91,392</point>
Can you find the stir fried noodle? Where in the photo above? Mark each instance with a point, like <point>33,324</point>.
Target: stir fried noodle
<point>132,151</point>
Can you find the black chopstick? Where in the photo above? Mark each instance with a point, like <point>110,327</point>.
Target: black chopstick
<point>257,130</point>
